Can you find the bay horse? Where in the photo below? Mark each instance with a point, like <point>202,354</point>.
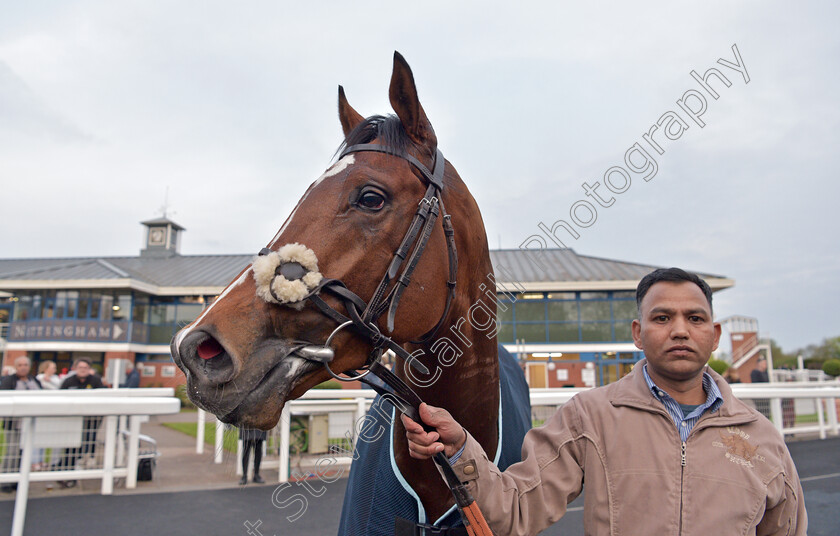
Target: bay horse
<point>266,339</point>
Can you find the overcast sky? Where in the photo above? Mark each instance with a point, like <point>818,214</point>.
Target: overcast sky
<point>232,107</point>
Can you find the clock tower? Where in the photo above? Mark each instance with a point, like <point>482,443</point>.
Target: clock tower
<point>162,238</point>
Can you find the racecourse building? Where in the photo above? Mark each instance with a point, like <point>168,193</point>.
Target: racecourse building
<point>567,316</point>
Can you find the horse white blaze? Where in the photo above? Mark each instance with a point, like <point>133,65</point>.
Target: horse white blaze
<point>184,332</point>
<point>335,169</point>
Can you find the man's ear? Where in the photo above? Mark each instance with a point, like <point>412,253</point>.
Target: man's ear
<point>717,335</point>
<point>636,326</point>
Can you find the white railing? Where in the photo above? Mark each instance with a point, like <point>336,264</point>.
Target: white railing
<point>358,402</point>
<point>799,375</point>
<point>111,404</point>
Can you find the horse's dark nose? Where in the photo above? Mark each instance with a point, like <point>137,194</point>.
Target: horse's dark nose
<point>205,358</point>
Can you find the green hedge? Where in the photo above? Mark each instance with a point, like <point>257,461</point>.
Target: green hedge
<point>832,367</point>
<point>718,366</point>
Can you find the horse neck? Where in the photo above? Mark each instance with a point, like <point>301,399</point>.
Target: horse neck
<point>468,386</point>
<point>469,389</point>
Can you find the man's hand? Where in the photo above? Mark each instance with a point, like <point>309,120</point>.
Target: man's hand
<point>449,436</point>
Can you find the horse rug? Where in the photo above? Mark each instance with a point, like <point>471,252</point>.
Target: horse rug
<point>376,491</point>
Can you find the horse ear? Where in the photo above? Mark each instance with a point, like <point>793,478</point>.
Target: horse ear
<point>404,101</point>
<point>349,117</point>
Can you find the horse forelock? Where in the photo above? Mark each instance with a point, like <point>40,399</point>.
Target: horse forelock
<point>388,129</point>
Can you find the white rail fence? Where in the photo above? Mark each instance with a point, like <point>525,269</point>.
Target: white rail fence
<point>793,407</point>
<point>54,420</point>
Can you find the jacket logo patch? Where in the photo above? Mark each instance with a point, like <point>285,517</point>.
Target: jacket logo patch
<point>738,449</point>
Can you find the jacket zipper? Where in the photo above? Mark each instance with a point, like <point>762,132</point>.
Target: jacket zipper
<point>682,475</point>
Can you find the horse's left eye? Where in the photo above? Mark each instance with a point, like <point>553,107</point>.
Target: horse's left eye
<point>371,200</point>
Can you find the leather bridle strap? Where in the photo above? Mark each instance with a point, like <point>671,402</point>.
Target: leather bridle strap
<point>428,209</point>
<point>406,401</point>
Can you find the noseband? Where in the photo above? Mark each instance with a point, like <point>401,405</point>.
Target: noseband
<point>361,316</point>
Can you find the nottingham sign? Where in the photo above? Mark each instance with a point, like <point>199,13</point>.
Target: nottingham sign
<point>70,330</point>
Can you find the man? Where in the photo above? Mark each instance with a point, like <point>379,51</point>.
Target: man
<point>759,373</point>
<point>132,376</point>
<point>21,380</point>
<point>665,447</point>
<point>82,379</point>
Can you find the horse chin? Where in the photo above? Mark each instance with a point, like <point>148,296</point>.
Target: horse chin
<point>262,406</point>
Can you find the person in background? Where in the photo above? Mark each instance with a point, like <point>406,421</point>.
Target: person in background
<point>759,373</point>
<point>731,375</point>
<point>47,375</point>
<point>20,380</point>
<point>252,439</point>
<point>82,379</point>
<point>132,376</point>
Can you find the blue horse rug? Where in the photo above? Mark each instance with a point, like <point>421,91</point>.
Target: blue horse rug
<point>376,491</point>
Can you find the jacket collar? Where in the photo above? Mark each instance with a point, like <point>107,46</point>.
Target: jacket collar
<point>632,390</point>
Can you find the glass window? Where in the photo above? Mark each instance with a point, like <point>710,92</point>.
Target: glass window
<point>531,332</point>
<point>94,307</point>
<point>595,332</point>
<point>185,314</point>
<point>562,296</point>
<point>623,310</point>
<point>501,314</point>
<point>161,314</point>
<point>160,334</point>
<point>506,333</point>
<point>106,304</point>
<point>23,308</point>
<point>594,295</point>
<point>624,294</point>
<point>140,313</point>
<point>533,311</point>
<point>623,330</point>
<point>559,311</point>
<point>121,307</point>
<point>563,332</point>
<point>594,310</point>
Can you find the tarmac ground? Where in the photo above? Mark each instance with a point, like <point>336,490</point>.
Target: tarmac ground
<point>190,495</point>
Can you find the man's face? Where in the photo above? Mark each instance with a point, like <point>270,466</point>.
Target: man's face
<point>762,366</point>
<point>676,330</point>
<point>22,367</point>
<point>82,370</point>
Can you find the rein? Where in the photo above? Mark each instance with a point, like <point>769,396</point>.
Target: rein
<point>362,317</point>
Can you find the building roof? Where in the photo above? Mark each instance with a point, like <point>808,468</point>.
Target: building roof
<point>564,269</point>
<point>516,270</point>
<point>162,221</point>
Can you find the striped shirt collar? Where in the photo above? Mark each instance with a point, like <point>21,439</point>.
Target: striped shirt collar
<point>684,423</point>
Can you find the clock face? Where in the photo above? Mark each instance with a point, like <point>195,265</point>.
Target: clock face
<point>157,237</point>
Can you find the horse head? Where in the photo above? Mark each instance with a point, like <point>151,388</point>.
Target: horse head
<point>251,350</point>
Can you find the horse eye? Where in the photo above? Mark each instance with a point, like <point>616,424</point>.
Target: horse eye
<point>371,200</point>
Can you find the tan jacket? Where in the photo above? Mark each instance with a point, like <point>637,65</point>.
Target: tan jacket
<point>733,476</point>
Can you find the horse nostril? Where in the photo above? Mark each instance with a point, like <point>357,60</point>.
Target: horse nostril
<point>209,349</point>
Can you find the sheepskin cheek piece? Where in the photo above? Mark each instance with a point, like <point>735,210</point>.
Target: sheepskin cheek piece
<point>274,287</point>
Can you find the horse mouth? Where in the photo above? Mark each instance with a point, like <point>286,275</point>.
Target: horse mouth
<point>270,393</point>
<point>247,396</point>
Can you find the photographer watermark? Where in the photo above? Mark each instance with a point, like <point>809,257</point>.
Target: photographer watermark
<point>638,161</point>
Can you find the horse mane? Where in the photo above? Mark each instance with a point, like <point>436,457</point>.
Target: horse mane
<point>387,128</point>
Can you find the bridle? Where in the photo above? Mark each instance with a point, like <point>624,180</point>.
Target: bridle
<point>362,317</point>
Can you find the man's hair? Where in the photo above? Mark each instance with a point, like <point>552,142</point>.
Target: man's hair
<point>82,360</point>
<point>670,275</point>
